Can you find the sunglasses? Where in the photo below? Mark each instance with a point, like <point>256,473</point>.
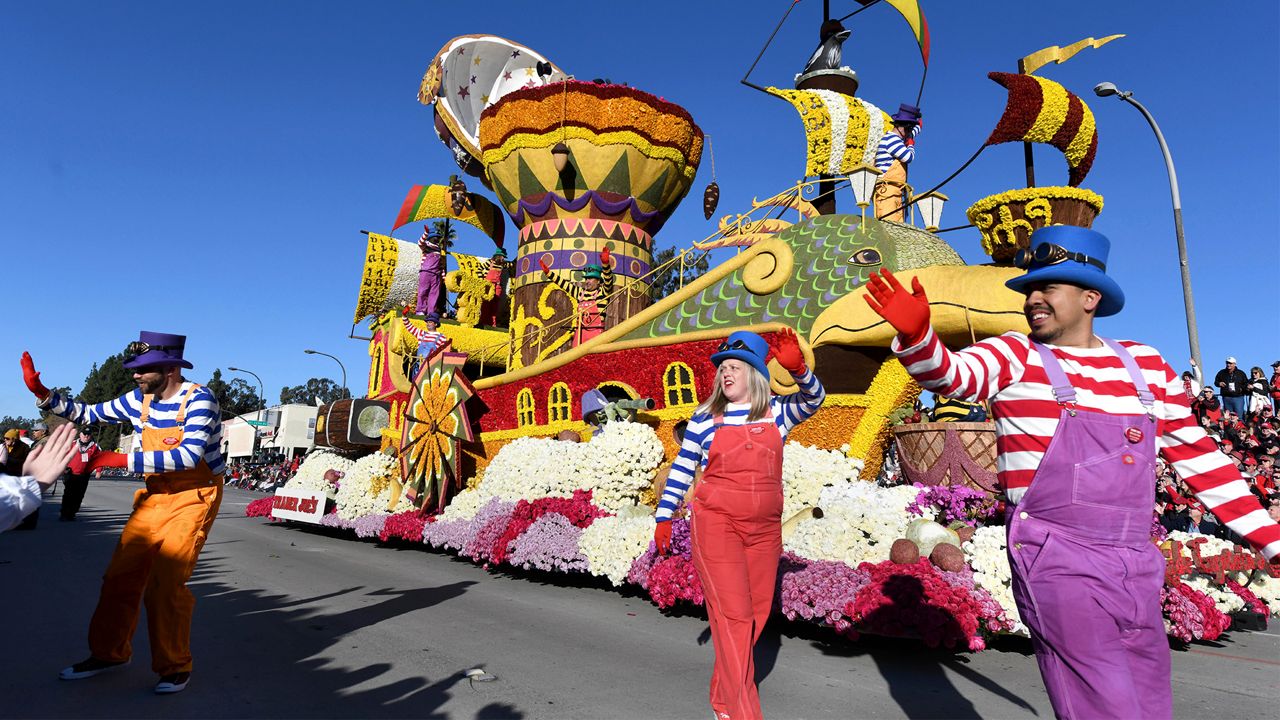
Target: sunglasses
<point>137,347</point>
<point>1050,254</point>
<point>735,345</point>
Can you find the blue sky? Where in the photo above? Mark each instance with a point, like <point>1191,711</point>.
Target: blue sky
<point>206,169</point>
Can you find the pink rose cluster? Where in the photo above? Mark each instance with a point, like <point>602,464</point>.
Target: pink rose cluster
<point>819,591</point>
<point>670,578</point>
<point>260,507</point>
<point>918,600</point>
<point>948,504</point>
<point>405,526</point>
<point>1191,614</point>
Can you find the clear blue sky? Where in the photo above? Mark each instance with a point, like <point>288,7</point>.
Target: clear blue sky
<point>206,169</point>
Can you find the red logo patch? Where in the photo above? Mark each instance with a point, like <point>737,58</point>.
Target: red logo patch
<point>171,441</point>
<point>1127,459</point>
<point>1133,435</point>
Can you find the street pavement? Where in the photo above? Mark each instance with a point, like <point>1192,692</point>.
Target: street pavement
<point>293,622</point>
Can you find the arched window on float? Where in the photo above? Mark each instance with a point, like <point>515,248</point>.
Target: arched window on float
<point>615,391</point>
<point>559,402</point>
<point>526,411</point>
<point>679,386</point>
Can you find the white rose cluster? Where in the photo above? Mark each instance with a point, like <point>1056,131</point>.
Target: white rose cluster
<point>1267,589</point>
<point>807,470</point>
<point>612,544</point>
<point>367,488</point>
<point>989,559</point>
<point>1226,600</point>
<point>860,522</point>
<point>465,505</point>
<point>620,464</point>
<point>617,466</point>
<point>310,475</point>
<point>531,468</point>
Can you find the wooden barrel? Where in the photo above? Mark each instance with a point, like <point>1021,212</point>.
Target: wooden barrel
<point>351,425</point>
<point>948,453</point>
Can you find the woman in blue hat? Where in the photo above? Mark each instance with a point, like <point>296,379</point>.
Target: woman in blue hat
<point>736,437</point>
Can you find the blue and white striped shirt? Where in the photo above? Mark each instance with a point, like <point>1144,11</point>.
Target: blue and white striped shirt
<point>788,412</point>
<point>893,148</point>
<point>201,432</point>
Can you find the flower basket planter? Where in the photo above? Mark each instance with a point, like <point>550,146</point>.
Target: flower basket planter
<point>1007,220</point>
<point>949,453</point>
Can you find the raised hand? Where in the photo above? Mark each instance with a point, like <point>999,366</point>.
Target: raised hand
<point>662,536</point>
<point>543,264</point>
<point>32,378</point>
<point>785,348</point>
<point>604,257</point>
<point>907,312</point>
<point>47,461</point>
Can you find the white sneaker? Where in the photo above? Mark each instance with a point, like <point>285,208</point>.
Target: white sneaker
<point>174,683</point>
<point>88,668</point>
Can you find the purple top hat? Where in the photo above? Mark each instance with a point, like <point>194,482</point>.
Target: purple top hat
<point>906,114</point>
<point>153,348</point>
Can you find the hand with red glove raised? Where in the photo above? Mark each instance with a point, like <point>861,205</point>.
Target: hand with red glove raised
<point>907,312</point>
<point>107,460</point>
<point>543,264</point>
<point>785,348</point>
<point>662,536</point>
<point>32,378</point>
<point>604,257</point>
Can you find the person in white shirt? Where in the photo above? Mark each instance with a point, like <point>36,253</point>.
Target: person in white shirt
<point>20,495</point>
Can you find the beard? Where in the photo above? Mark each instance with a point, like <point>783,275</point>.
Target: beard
<point>1046,335</point>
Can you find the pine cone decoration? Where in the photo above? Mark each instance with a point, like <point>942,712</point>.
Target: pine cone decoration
<point>710,199</point>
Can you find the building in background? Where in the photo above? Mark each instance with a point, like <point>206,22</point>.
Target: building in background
<point>288,431</point>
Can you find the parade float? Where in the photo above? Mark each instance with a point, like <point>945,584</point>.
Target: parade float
<point>489,448</point>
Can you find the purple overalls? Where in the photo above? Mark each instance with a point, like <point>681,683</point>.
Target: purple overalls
<point>430,283</point>
<point>1086,576</point>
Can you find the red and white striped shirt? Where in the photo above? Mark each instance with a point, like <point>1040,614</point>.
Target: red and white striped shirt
<point>1007,371</point>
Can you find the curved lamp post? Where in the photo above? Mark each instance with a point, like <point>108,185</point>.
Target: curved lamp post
<point>1107,89</point>
<point>262,402</point>
<point>344,367</point>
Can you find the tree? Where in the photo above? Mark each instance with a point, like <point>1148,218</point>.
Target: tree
<point>9,422</point>
<point>235,398</point>
<point>106,382</point>
<point>444,229</point>
<point>317,391</point>
<point>670,278</point>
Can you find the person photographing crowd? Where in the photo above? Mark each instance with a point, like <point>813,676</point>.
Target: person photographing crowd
<point>177,443</point>
<point>1079,422</point>
<point>736,438</point>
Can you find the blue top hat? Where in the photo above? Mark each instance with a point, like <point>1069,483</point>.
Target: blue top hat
<point>1085,264</point>
<point>748,347</point>
<point>153,348</point>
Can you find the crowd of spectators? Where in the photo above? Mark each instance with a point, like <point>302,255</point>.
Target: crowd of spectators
<point>1240,412</point>
<point>263,477</point>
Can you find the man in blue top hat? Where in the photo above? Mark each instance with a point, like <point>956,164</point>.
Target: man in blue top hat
<point>177,449</point>
<point>1079,423</point>
<point>897,150</point>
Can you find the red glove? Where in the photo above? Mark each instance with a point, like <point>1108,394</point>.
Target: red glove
<point>107,460</point>
<point>662,536</point>
<point>786,350</point>
<point>604,257</point>
<point>907,312</point>
<point>32,378</point>
<point>543,264</point>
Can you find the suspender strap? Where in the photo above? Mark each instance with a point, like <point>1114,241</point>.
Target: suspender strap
<point>1063,392</point>
<point>1145,396</point>
<point>182,409</point>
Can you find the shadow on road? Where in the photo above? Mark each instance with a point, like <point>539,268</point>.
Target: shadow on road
<point>286,675</point>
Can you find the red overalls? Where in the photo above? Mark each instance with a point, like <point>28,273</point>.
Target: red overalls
<point>736,532</point>
<point>1086,576</point>
<point>155,557</point>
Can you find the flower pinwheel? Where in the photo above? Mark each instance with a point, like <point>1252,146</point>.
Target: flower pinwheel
<point>435,425</point>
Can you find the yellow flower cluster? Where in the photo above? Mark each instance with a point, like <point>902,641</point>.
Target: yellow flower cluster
<point>375,279</point>
<point>993,215</point>
<point>891,387</point>
<point>1056,102</point>
<point>469,282</point>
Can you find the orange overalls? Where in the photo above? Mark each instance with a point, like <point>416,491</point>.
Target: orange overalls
<point>736,533</point>
<point>155,557</point>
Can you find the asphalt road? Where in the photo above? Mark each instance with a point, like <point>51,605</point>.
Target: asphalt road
<point>295,623</point>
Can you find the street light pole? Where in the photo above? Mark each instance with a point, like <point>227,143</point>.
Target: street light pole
<point>262,403</point>
<point>344,367</point>
<point>1193,337</point>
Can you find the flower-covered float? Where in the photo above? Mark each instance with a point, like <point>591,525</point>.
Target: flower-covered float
<point>483,449</point>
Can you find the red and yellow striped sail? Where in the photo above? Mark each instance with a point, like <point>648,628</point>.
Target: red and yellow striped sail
<point>1042,111</point>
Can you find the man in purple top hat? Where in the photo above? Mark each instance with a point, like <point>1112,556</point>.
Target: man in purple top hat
<point>431,273</point>
<point>897,150</point>
<point>177,448</point>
